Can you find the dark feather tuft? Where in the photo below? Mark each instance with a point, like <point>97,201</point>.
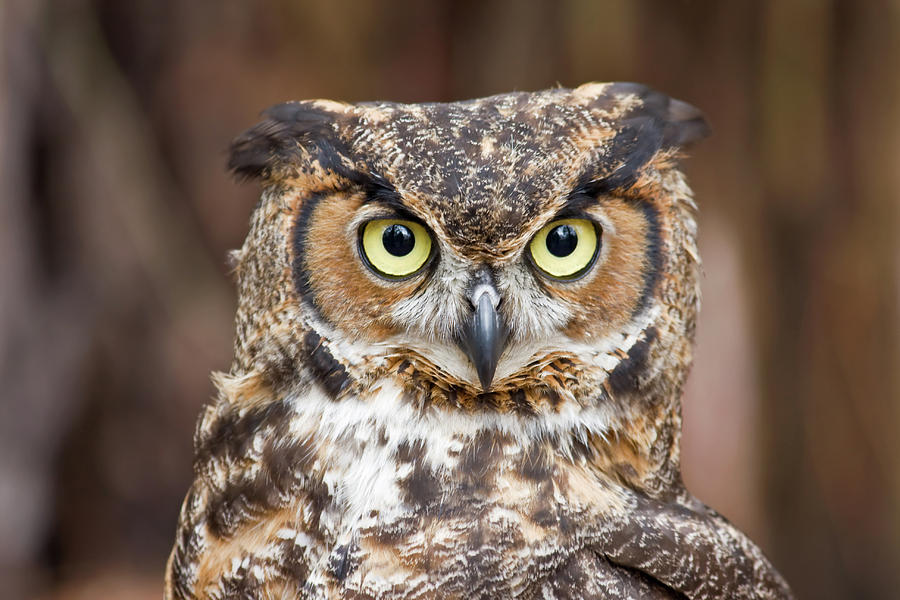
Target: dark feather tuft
<point>657,123</point>
<point>277,140</point>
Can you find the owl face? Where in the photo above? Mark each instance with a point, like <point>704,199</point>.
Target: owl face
<point>483,250</point>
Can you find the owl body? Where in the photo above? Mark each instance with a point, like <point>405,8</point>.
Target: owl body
<point>462,335</point>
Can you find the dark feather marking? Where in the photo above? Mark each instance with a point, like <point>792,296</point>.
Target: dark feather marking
<point>553,398</point>
<point>534,463</point>
<point>520,403</point>
<point>340,563</point>
<point>682,548</point>
<point>452,396</point>
<point>587,576</point>
<point>549,514</point>
<point>231,434</point>
<point>380,190</point>
<point>282,466</point>
<point>242,584</point>
<point>422,489</point>
<point>394,533</point>
<point>279,366</point>
<point>654,256</point>
<point>408,452</point>
<point>657,123</point>
<point>327,370</point>
<point>182,576</point>
<point>285,460</point>
<point>224,510</point>
<point>276,142</point>
<point>680,123</point>
<point>580,449</point>
<point>298,268</point>
<point>479,457</point>
<point>296,563</point>
<point>624,378</point>
<point>545,511</point>
<point>636,143</point>
<point>186,552</point>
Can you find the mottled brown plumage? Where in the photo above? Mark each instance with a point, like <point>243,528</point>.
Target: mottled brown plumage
<point>477,428</point>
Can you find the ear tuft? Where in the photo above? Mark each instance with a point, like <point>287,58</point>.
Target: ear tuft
<point>648,122</point>
<point>675,123</point>
<point>684,125</point>
<point>280,139</point>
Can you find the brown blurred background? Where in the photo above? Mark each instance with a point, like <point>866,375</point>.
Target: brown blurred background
<point>116,215</point>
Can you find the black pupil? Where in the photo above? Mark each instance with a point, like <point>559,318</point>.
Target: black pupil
<point>398,240</point>
<point>561,240</point>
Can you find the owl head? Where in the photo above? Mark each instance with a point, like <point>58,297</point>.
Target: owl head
<point>522,253</point>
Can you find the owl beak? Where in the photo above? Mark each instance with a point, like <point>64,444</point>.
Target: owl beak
<point>484,337</point>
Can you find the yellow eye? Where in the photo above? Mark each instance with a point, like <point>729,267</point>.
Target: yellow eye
<point>565,248</point>
<point>394,247</point>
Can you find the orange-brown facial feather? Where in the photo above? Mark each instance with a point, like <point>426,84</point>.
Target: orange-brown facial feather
<point>541,383</point>
<point>343,289</point>
<point>608,295</point>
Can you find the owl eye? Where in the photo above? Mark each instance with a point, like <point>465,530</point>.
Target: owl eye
<point>395,248</point>
<point>565,248</point>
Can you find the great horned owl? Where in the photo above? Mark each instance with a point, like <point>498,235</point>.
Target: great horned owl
<point>462,336</point>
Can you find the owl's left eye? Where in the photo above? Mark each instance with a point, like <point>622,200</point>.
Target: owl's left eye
<point>565,248</point>
<point>395,248</point>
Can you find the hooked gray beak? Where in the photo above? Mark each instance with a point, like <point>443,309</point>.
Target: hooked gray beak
<point>484,336</point>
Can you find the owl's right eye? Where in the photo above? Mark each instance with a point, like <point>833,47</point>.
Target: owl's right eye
<point>395,248</point>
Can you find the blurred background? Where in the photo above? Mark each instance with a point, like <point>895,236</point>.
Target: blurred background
<point>116,214</point>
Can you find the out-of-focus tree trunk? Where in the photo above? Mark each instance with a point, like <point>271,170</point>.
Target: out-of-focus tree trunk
<point>803,98</point>
<point>828,303</point>
<point>39,326</point>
